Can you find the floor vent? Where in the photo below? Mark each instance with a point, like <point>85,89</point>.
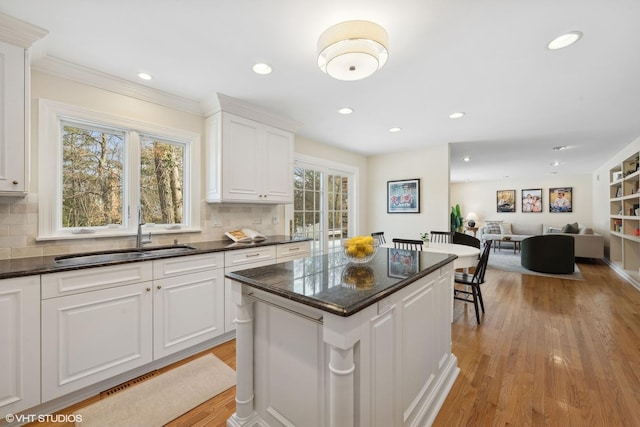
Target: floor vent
<point>126,385</point>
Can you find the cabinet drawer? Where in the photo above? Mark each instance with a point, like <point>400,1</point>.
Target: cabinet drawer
<point>170,267</point>
<point>91,279</point>
<point>291,251</point>
<point>247,256</point>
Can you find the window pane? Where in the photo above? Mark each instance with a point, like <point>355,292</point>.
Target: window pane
<point>92,174</point>
<point>161,180</point>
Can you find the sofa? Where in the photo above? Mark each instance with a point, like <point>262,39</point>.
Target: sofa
<point>587,244</point>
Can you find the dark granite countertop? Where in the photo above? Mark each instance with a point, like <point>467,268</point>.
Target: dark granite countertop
<point>330,283</point>
<point>42,265</point>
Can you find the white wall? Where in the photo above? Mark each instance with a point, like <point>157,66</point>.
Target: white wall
<point>480,197</point>
<point>431,166</point>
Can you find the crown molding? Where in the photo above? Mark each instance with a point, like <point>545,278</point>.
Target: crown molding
<point>244,109</point>
<point>19,33</point>
<point>67,70</point>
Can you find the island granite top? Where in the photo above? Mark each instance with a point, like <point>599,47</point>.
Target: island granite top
<point>331,284</point>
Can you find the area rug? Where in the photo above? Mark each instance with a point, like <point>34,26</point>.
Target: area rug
<point>163,398</point>
<point>507,261</point>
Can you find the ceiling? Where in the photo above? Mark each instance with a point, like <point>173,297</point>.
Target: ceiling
<point>485,58</point>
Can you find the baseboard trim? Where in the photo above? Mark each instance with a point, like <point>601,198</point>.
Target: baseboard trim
<point>615,267</point>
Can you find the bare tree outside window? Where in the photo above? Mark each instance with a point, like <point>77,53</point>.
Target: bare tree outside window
<point>161,180</point>
<point>92,177</point>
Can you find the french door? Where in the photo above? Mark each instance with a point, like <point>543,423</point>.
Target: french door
<point>323,205</point>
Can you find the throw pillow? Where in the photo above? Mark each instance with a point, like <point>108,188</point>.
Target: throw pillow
<point>586,230</point>
<point>505,228</point>
<point>570,228</point>
<point>555,230</point>
<point>492,227</point>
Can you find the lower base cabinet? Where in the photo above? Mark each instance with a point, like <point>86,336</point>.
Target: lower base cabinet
<point>19,344</point>
<point>188,308</point>
<point>92,336</point>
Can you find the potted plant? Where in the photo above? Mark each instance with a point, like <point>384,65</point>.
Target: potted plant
<point>425,238</point>
<point>456,219</point>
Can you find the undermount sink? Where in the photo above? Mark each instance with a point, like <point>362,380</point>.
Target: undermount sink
<point>121,255</point>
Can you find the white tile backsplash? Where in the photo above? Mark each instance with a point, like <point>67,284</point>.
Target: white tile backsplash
<point>19,228</point>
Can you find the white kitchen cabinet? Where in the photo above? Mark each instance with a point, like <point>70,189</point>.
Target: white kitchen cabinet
<point>242,259</point>
<point>188,302</point>
<point>13,125</point>
<point>20,344</point>
<point>291,251</point>
<point>248,161</point>
<point>92,336</point>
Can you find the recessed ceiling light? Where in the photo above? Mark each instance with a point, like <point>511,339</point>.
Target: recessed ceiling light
<point>467,158</point>
<point>556,163</point>
<point>564,40</point>
<point>560,148</point>
<point>457,115</point>
<point>395,129</point>
<point>262,68</point>
<point>145,76</point>
<point>345,110</point>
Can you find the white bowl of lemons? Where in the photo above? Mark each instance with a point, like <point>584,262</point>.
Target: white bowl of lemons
<point>360,249</point>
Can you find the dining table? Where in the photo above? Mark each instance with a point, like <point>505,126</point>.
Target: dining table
<point>467,255</point>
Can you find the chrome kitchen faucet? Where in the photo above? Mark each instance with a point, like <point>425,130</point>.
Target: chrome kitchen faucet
<point>140,242</point>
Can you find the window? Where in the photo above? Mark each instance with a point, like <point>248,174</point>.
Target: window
<point>101,168</point>
<point>323,203</point>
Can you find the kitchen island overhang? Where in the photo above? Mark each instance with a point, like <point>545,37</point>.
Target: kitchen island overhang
<point>324,342</point>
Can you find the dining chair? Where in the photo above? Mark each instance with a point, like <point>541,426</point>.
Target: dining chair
<point>379,237</point>
<point>472,282</point>
<point>465,239</point>
<point>408,244</point>
<point>441,236</point>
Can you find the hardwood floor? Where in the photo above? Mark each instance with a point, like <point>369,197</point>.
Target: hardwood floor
<point>549,351</point>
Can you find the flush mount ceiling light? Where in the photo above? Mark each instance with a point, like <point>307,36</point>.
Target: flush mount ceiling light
<point>556,163</point>
<point>345,110</point>
<point>564,40</point>
<point>395,129</point>
<point>145,76</point>
<point>467,159</point>
<point>457,115</point>
<point>262,68</point>
<point>352,50</point>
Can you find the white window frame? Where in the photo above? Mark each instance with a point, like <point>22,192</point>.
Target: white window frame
<point>330,167</point>
<point>51,115</point>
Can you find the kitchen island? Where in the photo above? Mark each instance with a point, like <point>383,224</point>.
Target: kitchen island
<point>324,342</point>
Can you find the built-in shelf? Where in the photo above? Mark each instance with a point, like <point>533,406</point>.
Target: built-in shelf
<point>624,221</point>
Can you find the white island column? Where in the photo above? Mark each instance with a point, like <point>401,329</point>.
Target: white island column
<point>245,413</point>
<point>341,334</point>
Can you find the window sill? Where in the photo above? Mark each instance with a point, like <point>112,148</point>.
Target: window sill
<point>155,231</point>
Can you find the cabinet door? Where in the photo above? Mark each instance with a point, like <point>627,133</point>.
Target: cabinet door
<point>278,166</point>
<point>12,120</point>
<point>20,344</point>
<point>93,336</point>
<point>188,310</point>
<point>241,159</point>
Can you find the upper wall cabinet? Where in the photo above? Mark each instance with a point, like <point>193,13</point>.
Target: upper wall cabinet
<point>248,160</point>
<point>15,39</point>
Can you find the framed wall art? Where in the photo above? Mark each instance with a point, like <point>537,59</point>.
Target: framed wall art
<point>561,199</point>
<point>532,200</point>
<point>403,196</point>
<point>506,200</point>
